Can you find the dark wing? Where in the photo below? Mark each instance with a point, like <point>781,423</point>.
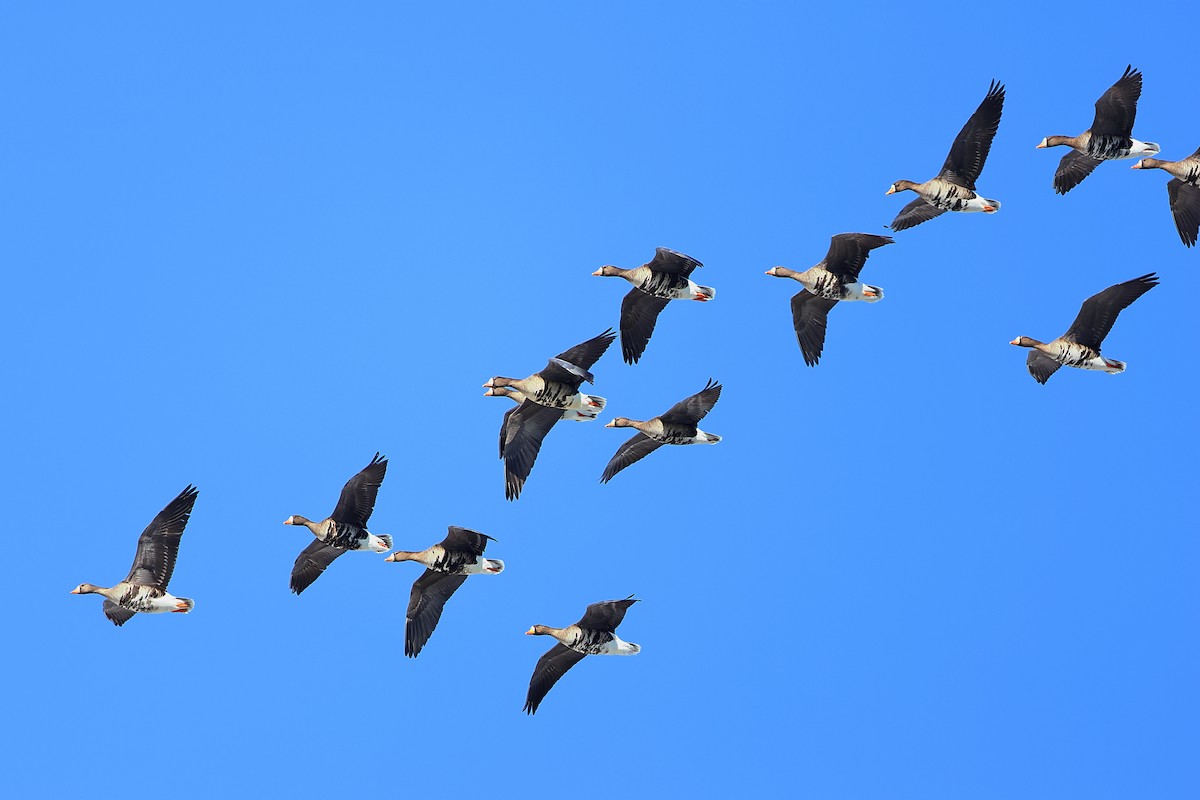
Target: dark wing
<point>637,448</point>
<point>970,148</point>
<point>118,614</point>
<point>1117,107</point>
<point>1041,366</point>
<point>585,354</point>
<point>691,410</point>
<point>848,252</point>
<point>639,312</point>
<point>550,667</point>
<point>463,540</point>
<point>1074,167</point>
<point>915,213</point>
<point>159,544</point>
<point>808,317</point>
<point>429,594</point>
<point>504,428</point>
<point>1185,207</point>
<point>528,425</point>
<point>311,562</point>
<point>1099,311</point>
<point>358,495</point>
<point>672,263</point>
<point>605,616</point>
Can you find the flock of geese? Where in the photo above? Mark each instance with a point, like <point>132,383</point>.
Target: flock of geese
<point>554,393</point>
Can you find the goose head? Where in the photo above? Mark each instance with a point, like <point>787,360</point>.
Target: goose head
<point>620,422</point>
<point>498,383</point>
<point>295,519</point>
<point>781,272</point>
<point>86,588</point>
<point>899,186</point>
<point>1025,341</point>
<point>609,271</point>
<point>1148,163</point>
<point>1052,141</point>
<point>540,630</point>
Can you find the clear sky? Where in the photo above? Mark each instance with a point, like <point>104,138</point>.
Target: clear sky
<point>247,246</point>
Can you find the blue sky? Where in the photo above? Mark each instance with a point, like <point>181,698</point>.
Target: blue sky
<point>248,247</point>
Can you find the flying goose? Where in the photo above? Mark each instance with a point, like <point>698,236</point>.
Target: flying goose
<point>585,409</point>
<point>954,187</point>
<point>677,426</point>
<point>448,564</point>
<point>655,283</point>
<point>345,529</point>
<point>1183,190</point>
<point>145,587</point>
<point>1080,345</point>
<point>547,394</point>
<point>832,280</point>
<point>594,635</point>
<point>1109,138</point>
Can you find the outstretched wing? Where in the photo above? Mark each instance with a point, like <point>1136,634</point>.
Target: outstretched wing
<point>915,213</point>
<point>464,540</point>
<point>158,546</point>
<point>848,253</point>
<point>639,313</point>
<point>691,410</point>
<point>1041,366</point>
<point>672,262</point>
<point>1185,207</point>
<point>311,562</point>
<point>358,495</point>
<point>1117,107</point>
<point>1099,312</point>
<point>637,448</point>
<point>971,146</point>
<point>550,667</point>
<point>1074,167</point>
<point>118,614</point>
<point>585,354</point>
<point>429,594</point>
<point>605,616</point>
<point>527,427</point>
<point>809,313</point>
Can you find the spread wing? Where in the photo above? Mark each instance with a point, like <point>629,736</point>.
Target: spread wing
<point>1041,366</point>
<point>504,429</point>
<point>429,594</point>
<point>639,313</point>
<point>464,540</point>
<point>605,616</point>
<point>550,667</point>
<point>637,448</point>
<point>809,314</point>
<point>158,545</point>
<point>970,148</point>
<point>311,562</point>
<point>1073,168</point>
<point>527,427</point>
<point>691,410</point>
<point>1117,107</point>
<point>585,354</point>
<point>848,253</point>
<point>1185,207</point>
<point>915,213</point>
<point>358,495</point>
<point>672,262</point>
<point>118,614</point>
<point>1099,312</point>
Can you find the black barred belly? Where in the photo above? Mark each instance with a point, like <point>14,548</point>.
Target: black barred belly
<point>345,535</point>
<point>1107,148</point>
<point>664,285</point>
<point>953,198</point>
<point>592,642</point>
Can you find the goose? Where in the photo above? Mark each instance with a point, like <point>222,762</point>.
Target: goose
<point>448,564</point>
<point>547,394</point>
<point>144,589</point>
<point>655,283</point>
<point>594,635</point>
<point>834,279</point>
<point>1080,345</point>
<point>954,187</point>
<point>584,409</point>
<point>345,529</point>
<point>677,426</point>
<point>1109,138</point>
<point>1183,190</point>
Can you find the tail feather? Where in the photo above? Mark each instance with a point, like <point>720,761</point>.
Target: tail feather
<point>1114,366</point>
<point>995,204</point>
<point>595,401</point>
<point>188,605</point>
<point>709,291</point>
<point>495,566</point>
